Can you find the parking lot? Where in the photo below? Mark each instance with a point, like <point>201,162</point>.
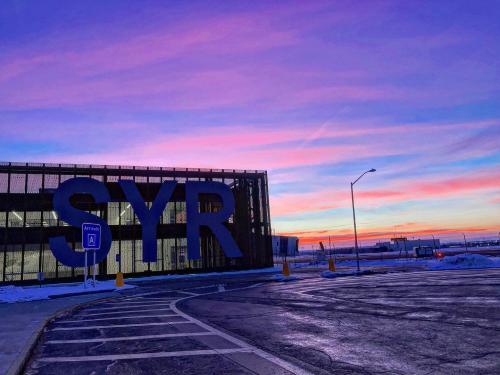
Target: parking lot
<point>407,322</point>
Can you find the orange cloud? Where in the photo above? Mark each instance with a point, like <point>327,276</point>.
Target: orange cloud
<point>345,237</point>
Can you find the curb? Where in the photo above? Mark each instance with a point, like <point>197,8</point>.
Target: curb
<point>55,296</point>
<point>17,367</point>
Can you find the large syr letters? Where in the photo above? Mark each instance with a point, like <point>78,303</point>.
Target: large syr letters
<point>149,218</point>
<point>75,217</point>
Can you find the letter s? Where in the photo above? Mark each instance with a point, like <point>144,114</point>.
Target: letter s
<point>75,217</point>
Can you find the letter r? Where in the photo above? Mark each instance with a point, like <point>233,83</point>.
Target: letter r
<point>213,220</point>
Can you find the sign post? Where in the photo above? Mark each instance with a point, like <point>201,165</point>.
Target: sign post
<point>91,241</point>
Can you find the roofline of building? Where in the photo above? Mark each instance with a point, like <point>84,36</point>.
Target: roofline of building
<point>121,170</point>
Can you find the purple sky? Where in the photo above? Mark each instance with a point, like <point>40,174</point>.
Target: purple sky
<point>314,92</point>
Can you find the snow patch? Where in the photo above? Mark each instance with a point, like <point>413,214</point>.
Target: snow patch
<point>11,293</point>
<point>464,261</point>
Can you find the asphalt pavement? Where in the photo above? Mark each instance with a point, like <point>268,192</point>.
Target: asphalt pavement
<point>21,322</point>
<point>143,332</point>
<point>443,322</point>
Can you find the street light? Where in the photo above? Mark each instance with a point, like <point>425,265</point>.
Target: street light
<point>354,215</point>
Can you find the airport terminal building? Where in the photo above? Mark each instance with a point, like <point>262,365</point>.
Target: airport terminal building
<point>28,219</point>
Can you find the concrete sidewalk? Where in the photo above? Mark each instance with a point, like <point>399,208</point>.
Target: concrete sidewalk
<point>20,323</point>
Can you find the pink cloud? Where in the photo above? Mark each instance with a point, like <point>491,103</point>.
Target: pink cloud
<point>409,189</point>
<point>458,185</point>
<point>215,34</point>
<point>299,203</point>
<point>197,64</point>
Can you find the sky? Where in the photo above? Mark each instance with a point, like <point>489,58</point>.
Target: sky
<point>314,92</point>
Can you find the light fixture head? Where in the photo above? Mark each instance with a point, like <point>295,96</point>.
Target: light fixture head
<point>372,170</point>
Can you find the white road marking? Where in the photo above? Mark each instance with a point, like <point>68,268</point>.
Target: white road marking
<point>153,293</point>
<point>271,358</point>
<point>243,347</point>
<point>122,312</point>
<point>189,293</point>
<point>118,317</point>
<point>119,326</point>
<point>116,357</point>
<point>127,306</point>
<point>130,338</point>
<point>203,287</point>
<point>146,299</point>
<point>134,303</point>
<point>130,307</point>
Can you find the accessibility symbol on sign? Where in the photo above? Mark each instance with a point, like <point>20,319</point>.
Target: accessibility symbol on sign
<point>91,240</point>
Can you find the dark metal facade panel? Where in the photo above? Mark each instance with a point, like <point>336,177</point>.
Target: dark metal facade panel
<point>27,220</point>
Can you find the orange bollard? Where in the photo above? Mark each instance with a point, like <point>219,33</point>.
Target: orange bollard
<point>331,265</point>
<point>119,280</point>
<point>286,270</point>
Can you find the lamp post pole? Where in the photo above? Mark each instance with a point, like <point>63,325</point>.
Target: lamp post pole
<point>354,217</point>
<point>355,230</point>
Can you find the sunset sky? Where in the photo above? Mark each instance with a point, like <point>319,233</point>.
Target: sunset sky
<point>314,92</point>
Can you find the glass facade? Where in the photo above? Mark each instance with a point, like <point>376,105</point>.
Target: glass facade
<point>27,220</point>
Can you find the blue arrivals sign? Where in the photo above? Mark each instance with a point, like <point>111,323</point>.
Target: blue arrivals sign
<point>148,217</point>
<point>91,236</point>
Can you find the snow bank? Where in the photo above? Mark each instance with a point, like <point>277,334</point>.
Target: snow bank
<point>464,261</point>
<point>201,275</point>
<point>11,293</point>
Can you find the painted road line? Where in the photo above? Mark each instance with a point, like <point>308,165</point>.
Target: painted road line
<point>117,357</point>
<point>124,307</point>
<point>271,358</point>
<point>119,326</point>
<point>130,338</point>
<point>128,306</point>
<point>153,293</point>
<point>203,287</point>
<point>189,293</point>
<point>122,312</point>
<point>118,317</point>
<point>145,299</point>
<point>133,303</point>
<point>142,300</point>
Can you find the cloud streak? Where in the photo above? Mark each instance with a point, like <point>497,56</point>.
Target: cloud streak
<point>313,92</point>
